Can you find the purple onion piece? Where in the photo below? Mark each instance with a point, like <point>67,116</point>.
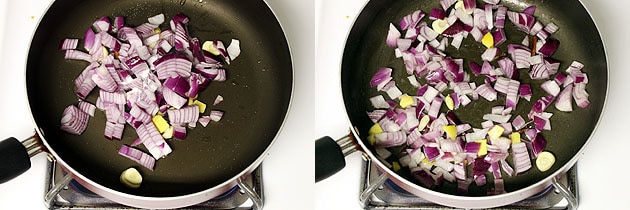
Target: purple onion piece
<point>392,36</point>
<point>138,156</point>
<point>437,13</point>
<point>530,10</point>
<point>411,20</point>
<point>550,47</point>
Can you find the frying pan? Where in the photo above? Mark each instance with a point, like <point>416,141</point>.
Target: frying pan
<point>365,51</point>
<point>210,160</point>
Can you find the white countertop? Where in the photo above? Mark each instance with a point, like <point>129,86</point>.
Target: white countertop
<point>292,149</point>
<point>602,167</point>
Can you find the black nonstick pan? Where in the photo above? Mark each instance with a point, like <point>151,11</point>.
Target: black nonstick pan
<point>209,161</point>
<point>366,51</point>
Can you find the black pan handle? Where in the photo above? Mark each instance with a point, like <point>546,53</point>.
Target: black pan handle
<point>330,155</point>
<point>16,157</point>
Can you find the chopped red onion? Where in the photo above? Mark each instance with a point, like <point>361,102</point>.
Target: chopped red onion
<point>479,167</point>
<point>112,113</point>
<point>580,95</point>
<point>73,120</point>
<point>112,97</point>
<point>411,20</point>
<point>469,5</point>
<point>501,84</point>
<point>102,24</point>
<point>499,37</point>
<point>518,122</point>
<point>392,35</point>
<point>511,98</point>
<point>489,54</point>
<point>383,75</point>
<point>218,100</point>
<point>522,21</point>
<point>188,114</point>
<point>153,141</point>
<point>497,118</point>
<point>536,28</point>
<point>476,34</point>
<point>136,142</point>
<point>234,49</point>
<point>204,120</point>
<point>390,139</point>
<point>86,107</point>
<point>138,156</point>
<point>431,152</point>
<point>487,92</point>
<point>479,16</point>
<point>551,28</point>
<point>178,85</point>
<point>538,145</point>
<point>457,28</point>
<point>172,65</point>
<point>447,4</point>
<point>530,10</point>
<point>500,16</point>
<point>435,14</point>
<point>156,20</point>
<point>539,71</point>
<point>69,44</point>
<point>114,130</point>
<point>179,132</point>
<point>551,87</point>
<point>520,157</point>
<point>103,79</point>
<point>550,46</point>
<point>173,98</point>
<point>541,123</point>
<point>216,115</point>
<point>427,33</point>
<point>119,22</point>
<point>78,55</point>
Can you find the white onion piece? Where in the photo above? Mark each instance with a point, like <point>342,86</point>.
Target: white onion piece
<point>580,95</point>
<point>189,114</point>
<point>392,36</point>
<point>551,87</point>
<point>489,54</point>
<point>157,19</point>
<point>234,49</point>
<point>216,115</point>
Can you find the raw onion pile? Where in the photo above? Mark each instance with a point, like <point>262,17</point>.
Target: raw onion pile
<point>147,78</point>
<point>436,145</point>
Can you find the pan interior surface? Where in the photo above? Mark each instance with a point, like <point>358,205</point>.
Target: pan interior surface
<point>366,51</point>
<point>257,94</point>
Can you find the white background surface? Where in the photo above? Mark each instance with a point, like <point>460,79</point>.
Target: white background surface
<point>602,167</point>
<point>292,149</point>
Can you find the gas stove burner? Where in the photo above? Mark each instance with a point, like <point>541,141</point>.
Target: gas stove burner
<point>65,193</point>
<point>378,192</point>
